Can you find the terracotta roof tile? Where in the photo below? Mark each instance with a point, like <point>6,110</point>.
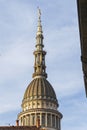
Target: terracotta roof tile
<point>19,128</point>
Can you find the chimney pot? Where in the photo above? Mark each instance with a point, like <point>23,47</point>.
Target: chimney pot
<point>17,122</point>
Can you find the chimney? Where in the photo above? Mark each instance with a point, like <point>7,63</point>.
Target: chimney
<point>38,123</point>
<point>17,122</point>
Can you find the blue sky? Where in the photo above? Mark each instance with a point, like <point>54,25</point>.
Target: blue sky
<point>18,25</point>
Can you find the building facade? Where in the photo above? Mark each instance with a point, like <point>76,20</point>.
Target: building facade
<point>40,104</point>
<point>82,18</point>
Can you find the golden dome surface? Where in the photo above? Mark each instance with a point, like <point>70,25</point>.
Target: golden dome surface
<point>40,89</point>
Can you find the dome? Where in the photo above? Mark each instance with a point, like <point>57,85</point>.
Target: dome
<point>39,104</point>
<point>40,89</point>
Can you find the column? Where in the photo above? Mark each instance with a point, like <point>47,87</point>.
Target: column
<point>59,125</point>
<point>51,119</point>
<point>22,121</point>
<point>46,119</point>
<point>30,120</point>
<point>35,119</point>
<point>40,119</point>
<point>55,121</point>
<point>25,120</point>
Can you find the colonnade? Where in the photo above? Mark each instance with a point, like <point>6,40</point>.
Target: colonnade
<point>46,120</point>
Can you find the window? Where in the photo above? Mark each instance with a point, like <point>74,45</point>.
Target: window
<point>53,120</point>
<point>33,119</point>
<point>57,122</point>
<point>43,119</point>
<point>48,120</point>
<point>28,119</point>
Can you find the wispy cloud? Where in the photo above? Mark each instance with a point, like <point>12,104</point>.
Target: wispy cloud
<point>18,23</point>
<point>74,118</point>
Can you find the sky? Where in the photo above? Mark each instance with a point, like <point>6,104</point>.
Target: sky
<point>18,26</point>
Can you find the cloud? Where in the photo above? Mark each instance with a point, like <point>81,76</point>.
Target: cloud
<point>15,57</point>
<point>63,60</point>
<point>73,119</point>
<point>62,42</point>
<point>15,48</point>
<point>17,39</point>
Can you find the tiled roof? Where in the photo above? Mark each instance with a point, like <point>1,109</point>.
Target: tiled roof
<point>19,128</point>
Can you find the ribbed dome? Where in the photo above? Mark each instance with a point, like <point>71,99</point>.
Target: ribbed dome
<point>40,88</point>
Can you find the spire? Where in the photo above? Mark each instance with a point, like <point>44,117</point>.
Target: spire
<point>39,28</point>
<point>39,34</point>
<point>39,65</point>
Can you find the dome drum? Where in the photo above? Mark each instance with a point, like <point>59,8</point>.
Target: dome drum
<point>52,118</point>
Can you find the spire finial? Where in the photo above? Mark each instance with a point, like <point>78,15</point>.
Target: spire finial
<point>39,26</point>
<point>39,13</point>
